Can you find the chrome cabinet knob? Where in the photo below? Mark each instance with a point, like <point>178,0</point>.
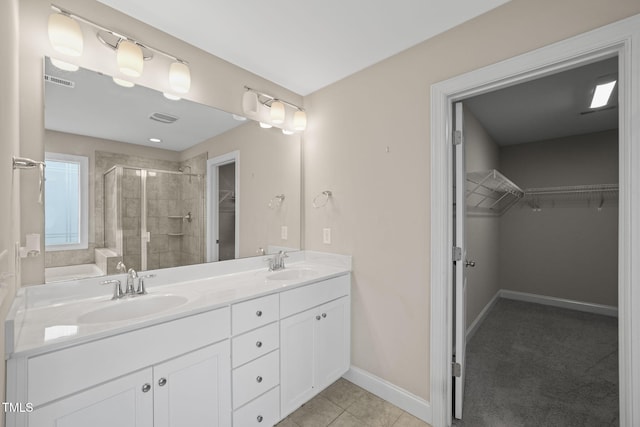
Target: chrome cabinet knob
<point>324,315</point>
<point>259,379</point>
<point>259,313</point>
<point>146,387</point>
<point>318,317</point>
<point>162,382</point>
<point>259,344</point>
<point>259,418</point>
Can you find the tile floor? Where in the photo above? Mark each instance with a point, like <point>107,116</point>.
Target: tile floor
<point>344,404</point>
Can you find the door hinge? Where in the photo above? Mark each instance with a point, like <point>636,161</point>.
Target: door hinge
<point>456,369</point>
<point>457,253</point>
<point>457,137</point>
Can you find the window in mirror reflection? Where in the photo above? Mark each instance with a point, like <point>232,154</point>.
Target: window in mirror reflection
<point>66,201</point>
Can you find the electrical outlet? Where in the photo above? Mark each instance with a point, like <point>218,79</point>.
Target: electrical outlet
<point>326,236</point>
<point>284,232</point>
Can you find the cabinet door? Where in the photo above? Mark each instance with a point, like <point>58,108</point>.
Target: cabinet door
<point>194,390</point>
<point>332,342</point>
<point>121,403</point>
<point>296,360</point>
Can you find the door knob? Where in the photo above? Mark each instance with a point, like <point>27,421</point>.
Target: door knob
<point>468,263</point>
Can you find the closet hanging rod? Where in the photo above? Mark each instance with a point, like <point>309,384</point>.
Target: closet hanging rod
<point>575,189</point>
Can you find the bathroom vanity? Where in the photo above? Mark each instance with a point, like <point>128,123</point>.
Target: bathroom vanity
<point>235,345</point>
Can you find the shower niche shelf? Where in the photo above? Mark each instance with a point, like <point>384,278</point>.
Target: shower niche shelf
<point>490,192</point>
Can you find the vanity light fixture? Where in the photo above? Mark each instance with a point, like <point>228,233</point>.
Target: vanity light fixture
<point>239,118</point>
<point>129,57</point>
<point>264,125</point>
<point>122,82</point>
<point>66,37</point>
<point>63,65</point>
<point>179,77</point>
<point>256,104</point>
<point>602,94</point>
<point>65,34</point>
<point>277,112</point>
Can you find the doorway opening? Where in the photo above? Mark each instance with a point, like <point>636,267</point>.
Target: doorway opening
<point>223,206</point>
<point>538,198</point>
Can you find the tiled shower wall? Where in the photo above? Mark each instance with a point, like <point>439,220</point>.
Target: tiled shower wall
<point>193,200</point>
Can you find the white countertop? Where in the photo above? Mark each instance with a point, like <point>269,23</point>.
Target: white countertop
<point>38,323</point>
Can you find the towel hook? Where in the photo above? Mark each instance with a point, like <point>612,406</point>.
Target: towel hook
<point>322,199</point>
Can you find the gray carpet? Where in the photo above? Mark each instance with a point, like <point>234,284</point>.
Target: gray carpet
<point>534,365</point>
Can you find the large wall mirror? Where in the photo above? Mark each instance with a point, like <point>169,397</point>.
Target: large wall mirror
<point>134,177</point>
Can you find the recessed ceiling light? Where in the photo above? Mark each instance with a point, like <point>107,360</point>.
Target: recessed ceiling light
<point>602,94</point>
<point>264,125</point>
<point>171,96</point>
<point>155,140</point>
<point>123,83</point>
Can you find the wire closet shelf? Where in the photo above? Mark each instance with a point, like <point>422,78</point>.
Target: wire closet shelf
<point>594,195</point>
<point>490,192</point>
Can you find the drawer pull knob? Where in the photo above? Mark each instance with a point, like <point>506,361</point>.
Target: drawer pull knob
<point>259,313</point>
<point>146,387</point>
<point>162,382</point>
<point>259,344</point>
<point>259,379</point>
<point>259,418</point>
<point>324,314</point>
<point>318,317</point>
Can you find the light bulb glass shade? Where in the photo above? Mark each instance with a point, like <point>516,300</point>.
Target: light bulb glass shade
<point>179,77</point>
<point>130,60</point>
<point>171,96</point>
<point>249,103</point>
<point>287,132</point>
<point>65,35</point>
<point>264,125</point>
<point>63,65</point>
<point>123,83</point>
<point>277,112</point>
<point>300,120</point>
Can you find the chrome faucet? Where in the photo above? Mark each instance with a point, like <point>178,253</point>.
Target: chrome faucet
<point>130,291</point>
<point>277,262</point>
<point>131,277</point>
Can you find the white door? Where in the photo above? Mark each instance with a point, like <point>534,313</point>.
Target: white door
<point>460,280</point>
<point>193,390</point>
<point>296,360</point>
<point>214,198</point>
<point>125,402</point>
<point>331,342</point>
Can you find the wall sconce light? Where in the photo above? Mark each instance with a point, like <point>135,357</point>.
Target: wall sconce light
<point>65,34</point>
<point>66,37</point>
<point>130,59</point>
<point>269,110</point>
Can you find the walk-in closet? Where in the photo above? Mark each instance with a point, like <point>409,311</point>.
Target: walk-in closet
<point>542,252</point>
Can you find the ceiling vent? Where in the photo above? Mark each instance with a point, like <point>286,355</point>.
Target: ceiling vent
<point>163,118</point>
<point>58,81</point>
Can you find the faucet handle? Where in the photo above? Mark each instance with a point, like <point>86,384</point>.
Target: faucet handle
<point>117,289</point>
<point>141,289</point>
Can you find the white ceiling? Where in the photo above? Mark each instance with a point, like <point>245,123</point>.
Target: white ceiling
<point>99,108</point>
<point>303,45</point>
<point>548,108</point>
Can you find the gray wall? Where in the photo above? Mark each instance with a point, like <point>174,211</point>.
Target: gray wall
<point>568,250</point>
<point>482,230</point>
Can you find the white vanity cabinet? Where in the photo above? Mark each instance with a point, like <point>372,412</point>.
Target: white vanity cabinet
<point>167,375</point>
<point>315,340</point>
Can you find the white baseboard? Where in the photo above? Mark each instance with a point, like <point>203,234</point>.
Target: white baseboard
<point>403,399</point>
<point>478,320</point>
<point>588,307</point>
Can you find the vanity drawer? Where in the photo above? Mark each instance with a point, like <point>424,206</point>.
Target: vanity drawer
<point>254,378</point>
<point>254,313</point>
<point>63,372</point>
<point>306,297</point>
<point>262,412</point>
<point>254,344</point>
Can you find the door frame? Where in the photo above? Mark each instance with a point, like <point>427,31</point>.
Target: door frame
<point>213,205</point>
<point>621,38</point>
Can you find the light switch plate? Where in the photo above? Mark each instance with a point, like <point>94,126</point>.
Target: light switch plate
<point>284,232</point>
<point>326,236</point>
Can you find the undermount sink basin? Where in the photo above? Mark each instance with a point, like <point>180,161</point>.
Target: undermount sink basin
<point>130,308</point>
<point>293,274</point>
